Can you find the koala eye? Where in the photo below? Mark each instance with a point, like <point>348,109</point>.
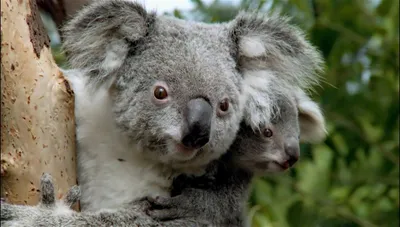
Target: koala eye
<point>223,107</point>
<point>160,92</point>
<point>267,132</point>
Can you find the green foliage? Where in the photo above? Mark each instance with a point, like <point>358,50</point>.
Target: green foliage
<point>352,178</point>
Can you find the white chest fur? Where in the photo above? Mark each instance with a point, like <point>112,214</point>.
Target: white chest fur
<point>110,172</point>
<point>110,179</point>
<point>108,183</point>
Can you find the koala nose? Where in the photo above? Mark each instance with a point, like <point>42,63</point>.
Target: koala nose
<point>292,149</point>
<point>198,118</point>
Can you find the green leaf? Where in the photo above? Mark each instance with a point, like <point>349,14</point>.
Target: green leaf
<point>340,144</point>
<point>314,177</point>
<point>299,215</point>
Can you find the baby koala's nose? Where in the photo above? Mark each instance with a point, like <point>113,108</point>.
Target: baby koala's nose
<point>292,150</point>
<point>292,160</point>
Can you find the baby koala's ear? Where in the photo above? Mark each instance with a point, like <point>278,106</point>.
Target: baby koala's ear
<point>311,119</point>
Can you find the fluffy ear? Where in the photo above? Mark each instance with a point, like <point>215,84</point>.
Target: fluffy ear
<point>311,119</point>
<point>100,36</point>
<point>269,42</point>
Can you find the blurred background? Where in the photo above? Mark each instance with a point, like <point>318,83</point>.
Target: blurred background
<point>352,179</point>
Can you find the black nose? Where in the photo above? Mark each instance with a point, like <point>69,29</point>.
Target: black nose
<point>198,118</point>
<point>292,149</point>
<point>292,160</point>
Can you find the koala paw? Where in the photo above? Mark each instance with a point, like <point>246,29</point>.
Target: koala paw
<point>183,206</point>
<point>21,215</point>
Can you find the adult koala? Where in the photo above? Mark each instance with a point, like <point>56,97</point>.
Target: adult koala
<point>157,97</point>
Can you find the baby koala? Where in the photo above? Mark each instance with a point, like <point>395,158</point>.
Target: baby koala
<point>219,197</point>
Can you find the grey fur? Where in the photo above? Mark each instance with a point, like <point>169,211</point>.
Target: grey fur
<point>47,190</point>
<point>215,199</point>
<point>123,51</point>
<point>73,195</point>
<point>287,51</point>
<point>44,213</point>
<point>222,199</point>
<point>220,195</point>
<point>149,49</point>
<point>269,48</point>
<point>119,52</point>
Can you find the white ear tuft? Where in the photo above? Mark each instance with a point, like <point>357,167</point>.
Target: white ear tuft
<point>311,119</point>
<point>252,46</point>
<point>114,56</point>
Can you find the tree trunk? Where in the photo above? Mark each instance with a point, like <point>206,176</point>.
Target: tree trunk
<point>37,108</point>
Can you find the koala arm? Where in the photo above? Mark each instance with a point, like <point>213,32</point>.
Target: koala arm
<point>213,199</point>
<point>50,212</point>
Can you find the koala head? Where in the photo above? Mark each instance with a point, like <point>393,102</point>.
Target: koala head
<point>275,146</point>
<point>173,85</point>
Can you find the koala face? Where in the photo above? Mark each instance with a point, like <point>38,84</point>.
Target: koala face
<point>275,147</point>
<point>174,98</point>
<point>174,86</point>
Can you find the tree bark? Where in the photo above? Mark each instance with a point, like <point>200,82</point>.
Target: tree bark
<point>37,108</point>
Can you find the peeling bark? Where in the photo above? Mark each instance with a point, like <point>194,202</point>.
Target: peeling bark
<point>37,108</point>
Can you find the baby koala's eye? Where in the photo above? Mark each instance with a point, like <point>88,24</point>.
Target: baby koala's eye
<point>223,107</point>
<point>267,132</point>
<point>160,92</point>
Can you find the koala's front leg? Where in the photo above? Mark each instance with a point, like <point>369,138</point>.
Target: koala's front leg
<point>191,204</point>
<point>50,212</point>
<point>42,214</point>
<point>198,207</point>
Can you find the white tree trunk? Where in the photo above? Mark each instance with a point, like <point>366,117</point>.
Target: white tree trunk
<point>37,108</point>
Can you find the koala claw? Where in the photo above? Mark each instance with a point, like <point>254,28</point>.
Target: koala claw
<point>176,207</point>
<point>23,215</point>
<point>142,204</point>
<point>163,208</point>
<point>72,196</point>
<point>47,190</point>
